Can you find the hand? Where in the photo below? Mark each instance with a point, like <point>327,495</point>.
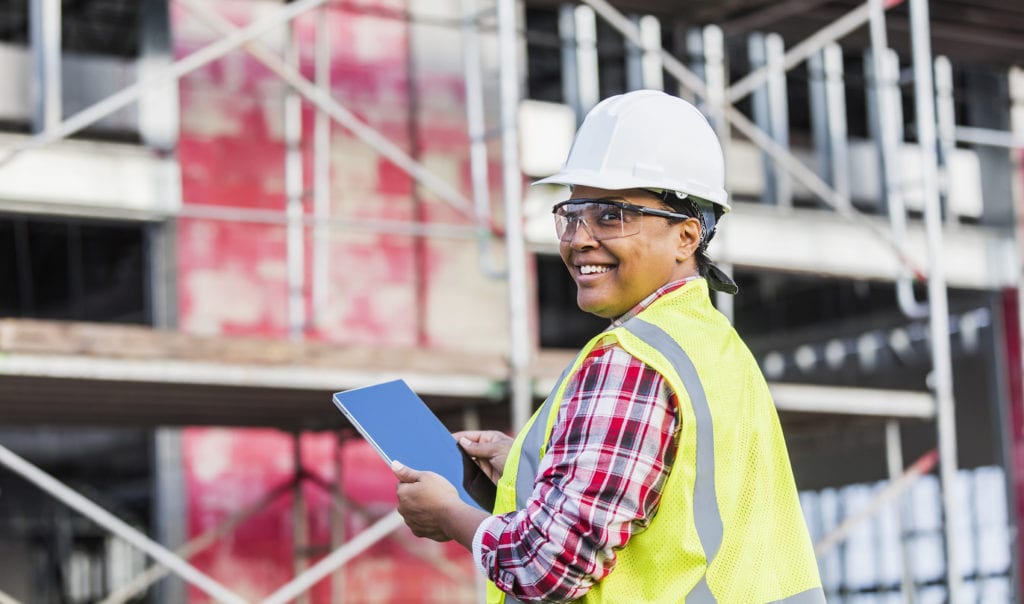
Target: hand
<point>489,448</point>
<point>424,499</point>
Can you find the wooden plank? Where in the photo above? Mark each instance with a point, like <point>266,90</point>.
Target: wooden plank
<point>142,343</point>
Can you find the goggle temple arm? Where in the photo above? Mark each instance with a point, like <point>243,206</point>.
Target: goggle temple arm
<point>705,214</point>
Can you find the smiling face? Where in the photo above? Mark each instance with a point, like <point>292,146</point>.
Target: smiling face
<point>614,275</point>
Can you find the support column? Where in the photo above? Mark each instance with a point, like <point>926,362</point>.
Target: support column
<point>519,294</point>
<point>44,17</point>
<point>946,113</point>
<point>586,59</point>
<point>894,460</point>
<point>942,373</point>
<point>570,74</point>
<point>169,508</point>
<point>321,273</point>
<point>771,113</point>
<point>828,117</point>
<point>158,112</point>
<point>300,540</point>
<point>337,513</point>
<point>643,62</point>
<point>294,186</point>
<point>1013,302</point>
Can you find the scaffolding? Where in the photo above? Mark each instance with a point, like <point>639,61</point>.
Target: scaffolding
<point>718,99</point>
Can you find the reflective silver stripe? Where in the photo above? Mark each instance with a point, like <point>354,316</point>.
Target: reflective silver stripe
<point>701,593</point>
<point>529,455</point>
<point>815,595</point>
<point>706,516</point>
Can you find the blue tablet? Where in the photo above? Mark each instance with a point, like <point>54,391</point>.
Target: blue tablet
<point>400,426</point>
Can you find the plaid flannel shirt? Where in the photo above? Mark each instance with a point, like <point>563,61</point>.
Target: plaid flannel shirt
<point>599,483</point>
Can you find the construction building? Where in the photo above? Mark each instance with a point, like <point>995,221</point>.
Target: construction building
<point>215,213</point>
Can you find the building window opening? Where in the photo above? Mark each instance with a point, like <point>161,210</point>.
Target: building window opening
<point>73,269</point>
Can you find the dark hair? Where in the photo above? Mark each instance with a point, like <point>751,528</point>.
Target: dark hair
<point>688,206</point>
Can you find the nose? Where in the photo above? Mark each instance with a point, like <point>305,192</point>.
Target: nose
<point>582,237</point>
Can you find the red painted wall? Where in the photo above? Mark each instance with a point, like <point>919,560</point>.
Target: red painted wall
<point>227,470</point>
<point>234,274</point>
<point>385,289</point>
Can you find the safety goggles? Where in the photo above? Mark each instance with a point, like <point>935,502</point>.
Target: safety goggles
<point>603,218</point>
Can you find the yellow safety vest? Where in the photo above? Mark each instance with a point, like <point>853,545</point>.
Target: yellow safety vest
<point>729,527</point>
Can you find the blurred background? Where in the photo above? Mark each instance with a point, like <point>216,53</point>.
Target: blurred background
<point>215,213</point>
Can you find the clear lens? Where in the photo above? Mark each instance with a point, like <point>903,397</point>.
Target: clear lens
<point>602,220</point>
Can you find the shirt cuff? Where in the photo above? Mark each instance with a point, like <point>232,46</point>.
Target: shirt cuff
<point>478,543</point>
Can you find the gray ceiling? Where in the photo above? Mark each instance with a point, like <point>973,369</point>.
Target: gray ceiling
<point>976,31</point>
<point>980,31</point>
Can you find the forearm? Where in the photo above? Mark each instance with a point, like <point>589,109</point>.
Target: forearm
<point>461,521</point>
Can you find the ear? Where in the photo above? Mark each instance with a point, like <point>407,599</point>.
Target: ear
<point>689,239</point>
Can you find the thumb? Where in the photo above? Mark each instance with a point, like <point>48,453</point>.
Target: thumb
<point>403,473</point>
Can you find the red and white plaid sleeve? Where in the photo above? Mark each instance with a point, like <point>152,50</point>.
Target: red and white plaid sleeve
<point>599,483</point>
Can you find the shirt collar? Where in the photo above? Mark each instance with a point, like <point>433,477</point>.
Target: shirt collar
<point>646,302</point>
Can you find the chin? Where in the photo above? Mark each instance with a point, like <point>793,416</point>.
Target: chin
<point>596,308</point>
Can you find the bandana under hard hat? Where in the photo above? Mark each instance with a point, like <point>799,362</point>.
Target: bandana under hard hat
<point>718,280</point>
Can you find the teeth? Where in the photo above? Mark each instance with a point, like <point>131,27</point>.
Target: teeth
<point>590,269</point>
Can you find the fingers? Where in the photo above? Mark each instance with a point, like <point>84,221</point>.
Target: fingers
<point>403,473</point>
<point>475,450</point>
<point>472,435</point>
<point>486,449</point>
<point>481,436</point>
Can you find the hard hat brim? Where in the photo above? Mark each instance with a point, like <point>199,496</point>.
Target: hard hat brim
<point>615,182</point>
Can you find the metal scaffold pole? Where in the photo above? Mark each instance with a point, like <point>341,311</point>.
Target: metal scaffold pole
<point>515,248</point>
<point>45,38</point>
<point>942,375</point>
<point>118,527</point>
<point>172,73</point>
<point>294,184</point>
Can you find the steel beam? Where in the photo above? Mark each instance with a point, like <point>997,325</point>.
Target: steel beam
<point>942,371</point>
<point>130,94</point>
<point>275,217</point>
<point>894,489</point>
<point>336,559</point>
<point>321,174</point>
<point>45,38</point>
<point>117,526</point>
<point>322,99</point>
<point>894,462</point>
<point>989,137</point>
<point>519,294</point>
<point>801,52</point>
<point>154,573</point>
<point>476,129</point>
<point>886,107</point>
<point>800,173</point>
<point>336,515</point>
<point>300,532</point>
<point>295,204</point>
<point>852,401</point>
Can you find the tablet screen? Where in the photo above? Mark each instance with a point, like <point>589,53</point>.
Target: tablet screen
<point>400,426</point>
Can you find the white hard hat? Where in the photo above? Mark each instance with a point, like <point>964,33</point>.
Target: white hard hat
<point>647,139</point>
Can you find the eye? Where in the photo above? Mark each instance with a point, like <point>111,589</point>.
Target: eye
<point>610,215</point>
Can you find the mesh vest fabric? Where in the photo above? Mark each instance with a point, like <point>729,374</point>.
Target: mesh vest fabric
<point>764,553</point>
